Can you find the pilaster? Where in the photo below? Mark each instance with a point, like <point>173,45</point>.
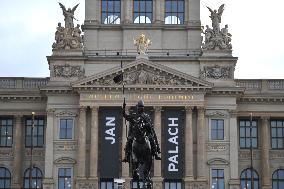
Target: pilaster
<point>201,143</point>
<point>48,182</point>
<point>189,177</point>
<point>81,169</point>
<point>265,143</point>
<point>128,7</point>
<point>159,11</point>
<point>157,124</point>
<point>234,171</point>
<point>125,166</point>
<point>18,152</point>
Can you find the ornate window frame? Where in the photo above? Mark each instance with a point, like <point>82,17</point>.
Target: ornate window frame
<point>217,115</point>
<point>144,13</point>
<point>6,136</point>
<point>65,115</point>
<point>175,13</point>
<point>277,138</point>
<point>110,14</point>
<point>64,162</point>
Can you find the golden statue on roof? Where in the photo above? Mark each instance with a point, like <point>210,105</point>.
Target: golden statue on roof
<point>142,43</point>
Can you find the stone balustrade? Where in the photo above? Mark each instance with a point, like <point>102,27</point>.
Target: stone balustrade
<point>22,82</point>
<point>261,84</point>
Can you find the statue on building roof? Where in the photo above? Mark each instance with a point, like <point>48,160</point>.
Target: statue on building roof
<point>216,38</point>
<point>69,37</point>
<point>68,15</point>
<point>142,44</point>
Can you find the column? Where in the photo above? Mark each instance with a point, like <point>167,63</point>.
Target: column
<point>157,180</point>
<point>94,143</point>
<point>48,182</point>
<point>234,167</point>
<point>265,142</point>
<point>200,144</point>
<point>82,143</point>
<point>125,166</point>
<point>188,144</point>
<point>159,11</point>
<point>128,11</point>
<point>18,147</point>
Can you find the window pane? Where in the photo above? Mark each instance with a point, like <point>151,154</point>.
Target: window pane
<point>220,134</point>
<point>273,132</point>
<point>279,132</point>
<point>173,185</point>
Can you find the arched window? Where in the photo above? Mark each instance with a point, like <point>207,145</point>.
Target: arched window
<point>111,11</point>
<point>142,11</point>
<point>36,178</point>
<point>246,179</point>
<point>174,12</point>
<point>5,178</point>
<point>278,179</point>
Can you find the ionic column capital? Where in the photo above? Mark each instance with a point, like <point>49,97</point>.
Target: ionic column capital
<point>265,118</point>
<point>200,109</point>
<point>94,108</point>
<point>50,111</point>
<point>83,108</point>
<point>233,113</point>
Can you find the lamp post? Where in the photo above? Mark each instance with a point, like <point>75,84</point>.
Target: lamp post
<point>251,154</point>
<point>31,158</point>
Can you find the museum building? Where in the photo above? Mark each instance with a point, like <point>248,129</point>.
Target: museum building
<point>214,130</point>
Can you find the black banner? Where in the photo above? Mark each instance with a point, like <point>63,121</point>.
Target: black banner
<point>110,123</point>
<point>173,143</point>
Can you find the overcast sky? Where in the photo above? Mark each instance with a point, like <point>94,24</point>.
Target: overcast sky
<point>27,32</point>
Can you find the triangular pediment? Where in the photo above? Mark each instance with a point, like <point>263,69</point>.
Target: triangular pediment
<point>143,73</point>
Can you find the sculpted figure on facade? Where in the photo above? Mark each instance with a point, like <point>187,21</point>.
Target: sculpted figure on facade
<point>68,37</point>
<point>68,15</point>
<point>216,38</point>
<point>142,43</point>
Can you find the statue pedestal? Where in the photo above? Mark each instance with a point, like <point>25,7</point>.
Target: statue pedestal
<point>217,53</point>
<point>142,56</point>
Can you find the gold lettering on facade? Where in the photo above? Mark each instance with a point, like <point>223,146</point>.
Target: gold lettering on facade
<point>145,97</point>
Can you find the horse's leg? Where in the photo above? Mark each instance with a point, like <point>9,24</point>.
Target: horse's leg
<point>147,172</point>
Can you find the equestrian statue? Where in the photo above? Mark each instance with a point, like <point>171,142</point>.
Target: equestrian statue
<point>142,146</point>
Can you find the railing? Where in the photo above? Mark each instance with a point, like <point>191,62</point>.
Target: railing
<point>133,52</point>
<point>22,83</point>
<point>261,84</point>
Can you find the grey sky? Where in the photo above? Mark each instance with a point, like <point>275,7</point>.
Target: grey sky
<point>28,26</point>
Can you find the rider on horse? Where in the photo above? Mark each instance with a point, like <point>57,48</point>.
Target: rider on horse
<point>142,120</point>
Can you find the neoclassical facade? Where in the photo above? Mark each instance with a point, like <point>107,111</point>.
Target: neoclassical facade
<point>206,120</point>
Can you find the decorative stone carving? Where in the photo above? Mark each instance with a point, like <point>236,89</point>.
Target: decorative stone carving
<point>245,154</point>
<point>216,38</point>
<point>6,153</point>
<point>218,161</point>
<point>65,160</point>
<point>36,152</point>
<point>66,114</point>
<point>70,36</point>
<point>217,72</point>
<point>68,71</point>
<point>87,186</point>
<point>276,154</point>
<point>217,147</point>
<point>142,43</point>
<point>65,146</point>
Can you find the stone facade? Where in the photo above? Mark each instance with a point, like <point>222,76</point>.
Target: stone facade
<point>176,73</point>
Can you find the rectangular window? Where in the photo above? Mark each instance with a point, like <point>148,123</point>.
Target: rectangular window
<point>107,184</point>
<point>217,129</point>
<point>174,12</point>
<point>6,132</point>
<point>172,184</point>
<point>246,136</point>
<point>218,181</point>
<point>142,11</point>
<point>66,129</point>
<point>64,178</point>
<point>277,134</point>
<point>38,133</point>
<point>111,11</point>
